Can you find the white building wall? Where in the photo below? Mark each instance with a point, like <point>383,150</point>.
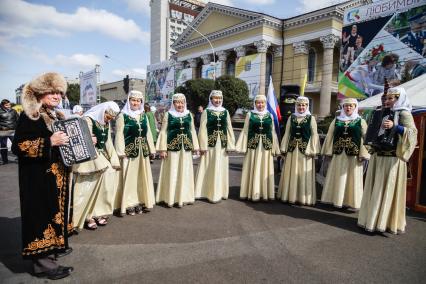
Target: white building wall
<point>159,42</point>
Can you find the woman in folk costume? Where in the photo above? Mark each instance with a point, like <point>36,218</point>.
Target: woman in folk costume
<point>43,177</point>
<point>134,145</point>
<point>259,142</point>
<point>383,201</point>
<point>97,180</point>
<point>345,143</point>
<point>300,145</point>
<point>176,142</point>
<point>216,138</point>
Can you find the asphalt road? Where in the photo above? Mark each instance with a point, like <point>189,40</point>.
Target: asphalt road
<point>230,242</point>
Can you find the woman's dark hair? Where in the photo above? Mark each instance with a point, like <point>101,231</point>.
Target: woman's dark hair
<point>5,101</point>
<point>388,59</point>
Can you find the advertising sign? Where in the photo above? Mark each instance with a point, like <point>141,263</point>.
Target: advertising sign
<point>182,76</point>
<point>88,88</point>
<point>386,39</point>
<point>160,83</point>
<point>248,69</point>
<point>208,71</point>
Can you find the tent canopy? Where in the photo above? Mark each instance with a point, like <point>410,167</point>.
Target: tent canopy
<point>416,92</point>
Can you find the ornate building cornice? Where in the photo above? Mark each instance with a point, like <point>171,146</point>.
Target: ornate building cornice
<point>278,51</point>
<point>206,58</point>
<point>301,47</point>
<point>329,41</point>
<point>193,62</point>
<point>262,45</point>
<point>241,51</point>
<point>222,55</point>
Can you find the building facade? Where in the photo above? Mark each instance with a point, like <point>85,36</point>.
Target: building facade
<point>114,90</point>
<point>169,18</point>
<point>247,44</point>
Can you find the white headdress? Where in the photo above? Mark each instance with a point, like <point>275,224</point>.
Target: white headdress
<point>173,111</point>
<point>215,93</point>
<point>98,111</point>
<point>127,109</point>
<point>77,109</point>
<point>255,110</point>
<point>305,100</point>
<point>403,103</point>
<point>342,116</point>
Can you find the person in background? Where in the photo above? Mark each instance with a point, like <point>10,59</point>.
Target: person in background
<point>43,177</point>
<point>197,117</point>
<point>152,123</point>
<point>77,111</point>
<point>8,120</point>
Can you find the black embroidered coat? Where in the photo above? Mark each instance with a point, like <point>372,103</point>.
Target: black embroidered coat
<point>43,186</point>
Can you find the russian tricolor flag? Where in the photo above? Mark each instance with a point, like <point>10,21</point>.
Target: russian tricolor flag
<point>273,107</point>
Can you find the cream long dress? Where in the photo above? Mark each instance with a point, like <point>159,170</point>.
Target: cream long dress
<point>212,181</point>
<point>137,186</point>
<point>297,181</point>
<point>96,184</point>
<point>383,202</point>
<point>344,181</point>
<point>176,181</point>
<point>257,179</point>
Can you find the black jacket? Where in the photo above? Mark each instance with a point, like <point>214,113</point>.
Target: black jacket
<point>8,119</point>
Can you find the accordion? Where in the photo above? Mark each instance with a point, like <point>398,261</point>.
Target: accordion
<point>80,148</point>
<point>378,137</point>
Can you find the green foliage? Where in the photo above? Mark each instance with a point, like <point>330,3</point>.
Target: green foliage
<point>197,92</point>
<point>324,124</point>
<point>235,93</point>
<point>73,93</point>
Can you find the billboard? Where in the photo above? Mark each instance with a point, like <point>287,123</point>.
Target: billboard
<point>208,71</point>
<point>183,75</point>
<point>386,39</point>
<point>88,88</point>
<point>160,82</point>
<point>248,69</point>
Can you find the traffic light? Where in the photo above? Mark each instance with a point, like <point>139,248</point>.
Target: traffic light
<point>126,84</point>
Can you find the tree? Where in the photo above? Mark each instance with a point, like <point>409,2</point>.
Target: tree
<point>235,92</point>
<point>73,94</point>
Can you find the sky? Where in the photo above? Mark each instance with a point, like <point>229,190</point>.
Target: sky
<point>73,36</point>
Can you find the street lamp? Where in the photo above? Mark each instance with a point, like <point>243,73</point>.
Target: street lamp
<point>211,46</point>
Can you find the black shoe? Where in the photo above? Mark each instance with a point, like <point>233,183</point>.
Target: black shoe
<point>67,251</point>
<point>55,274</point>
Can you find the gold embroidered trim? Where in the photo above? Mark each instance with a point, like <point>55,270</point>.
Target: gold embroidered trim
<point>254,142</point>
<point>131,149</point>
<point>211,139</point>
<point>297,142</point>
<point>346,143</point>
<point>49,239</point>
<point>33,148</point>
<point>178,140</point>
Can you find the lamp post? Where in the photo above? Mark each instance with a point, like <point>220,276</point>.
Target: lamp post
<point>211,46</point>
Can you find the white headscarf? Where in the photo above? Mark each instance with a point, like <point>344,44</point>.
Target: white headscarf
<point>173,111</point>
<point>215,93</point>
<point>255,110</point>
<point>98,111</point>
<point>354,115</point>
<point>302,99</point>
<point>77,109</point>
<point>403,103</point>
<point>127,109</point>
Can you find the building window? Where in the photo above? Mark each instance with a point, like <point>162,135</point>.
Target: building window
<point>230,67</point>
<point>311,65</point>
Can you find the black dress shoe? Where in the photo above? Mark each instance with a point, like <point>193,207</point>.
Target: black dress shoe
<point>55,274</point>
<point>67,251</point>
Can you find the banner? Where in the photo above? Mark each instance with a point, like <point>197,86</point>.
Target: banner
<point>88,88</point>
<point>248,69</point>
<point>208,71</point>
<point>182,76</point>
<point>391,46</point>
<point>160,83</point>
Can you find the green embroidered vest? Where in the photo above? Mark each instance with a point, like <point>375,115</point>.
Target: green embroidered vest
<point>347,137</point>
<point>179,132</point>
<point>300,133</point>
<point>135,136</point>
<point>260,128</point>
<point>101,133</point>
<point>217,124</point>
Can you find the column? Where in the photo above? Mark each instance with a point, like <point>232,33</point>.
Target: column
<point>328,43</point>
<point>300,61</point>
<point>193,63</point>
<point>206,58</point>
<point>241,51</point>
<point>262,48</point>
<point>222,56</point>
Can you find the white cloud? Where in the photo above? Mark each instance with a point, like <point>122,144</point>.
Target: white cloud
<point>77,60</point>
<point>132,72</point>
<point>22,19</point>
<point>139,6</point>
<point>223,2</point>
<point>308,5</point>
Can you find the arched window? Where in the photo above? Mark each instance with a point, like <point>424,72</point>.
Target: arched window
<point>311,65</point>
